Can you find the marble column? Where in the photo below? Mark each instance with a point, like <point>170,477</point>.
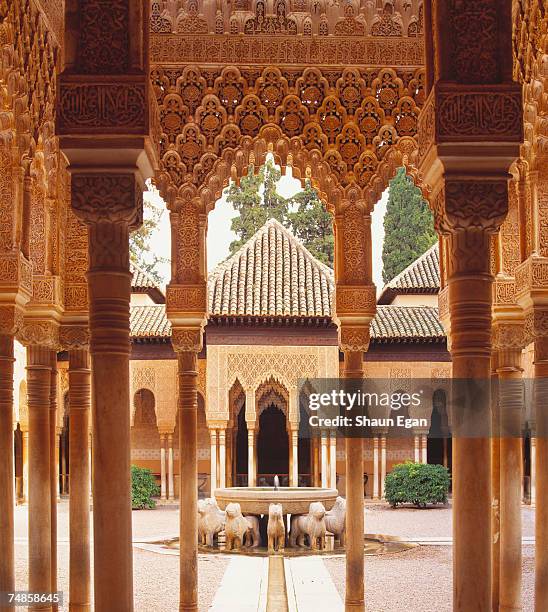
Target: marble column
<point>25,453</point>
<point>170,463</point>
<point>54,470</point>
<point>333,460</point>
<point>79,375</point>
<point>188,479</point>
<point>470,295</point>
<point>7,565</point>
<point>324,462</point>
<point>533,455</point>
<point>355,589</point>
<point>511,403</point>
<point>294,475</point>
<point>59,456</point>
<point>163,479</point>
<point>541,473</point>
<point>376,467</point>
<point>109,218</point>
<point>251,473</point>
<point>39,361</point>
<point>424,448</point>
<point>222,458</point>
<point>417,447</point>
<point>213,461</point>
<point>383,464</point>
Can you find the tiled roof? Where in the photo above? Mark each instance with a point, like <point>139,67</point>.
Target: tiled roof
<point>272,275</point>
<point>391,324</point>
<point>142,282</point>
<point>149,322</point>
<point>421,276</point>
<point>407,324</point>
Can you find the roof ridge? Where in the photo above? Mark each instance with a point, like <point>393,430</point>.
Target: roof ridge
<point>271,222</point>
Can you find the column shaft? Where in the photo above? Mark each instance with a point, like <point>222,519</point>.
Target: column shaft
<point>424,449</point>
<point>324,464</point>
<point>109,284</point>
<point>417,447</point>
<point>163,480</point>
<point>511,410</point>
<point>533,455</point>
<point>470,289</point>
<point>25,453</point>
<point>222,458</point>
<point>541,493</point>
<point>39,361</point>
<point>54,470</point>
<point>213,460</point>
<point>170,468</point>
<point>354,599</point>
<point>188,488</point>
<point>251,473</point>
<point>79,516</point>
<point>7,566</point>
<point>333,460</point>
<point>375,467</point>
<point>383,464</point>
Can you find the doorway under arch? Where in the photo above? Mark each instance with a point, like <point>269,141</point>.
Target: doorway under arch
<point>272,447</point>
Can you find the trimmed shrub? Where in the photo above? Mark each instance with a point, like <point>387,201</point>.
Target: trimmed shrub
<point>417,483</point>
<point>143,488</point>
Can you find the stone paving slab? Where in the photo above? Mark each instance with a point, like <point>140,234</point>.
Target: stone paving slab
<point>243,586</point>
<point>310,586</point>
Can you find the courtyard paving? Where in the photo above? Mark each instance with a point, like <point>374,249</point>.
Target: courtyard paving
<point>418,580</point>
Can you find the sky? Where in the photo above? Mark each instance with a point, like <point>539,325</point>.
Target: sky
<point>219,235</point>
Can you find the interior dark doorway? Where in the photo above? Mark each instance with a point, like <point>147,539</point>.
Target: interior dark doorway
<point>241,449</point>
<point>272,446</point>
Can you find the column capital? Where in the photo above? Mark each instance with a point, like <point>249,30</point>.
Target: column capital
<point>507,335</point>
<point>470,203</point>
<point>107,197</point>
<point>74,337</point>
<point>187,339</point>
<point>11,319</point>
<point>39,332</point>
<point>354,338</point>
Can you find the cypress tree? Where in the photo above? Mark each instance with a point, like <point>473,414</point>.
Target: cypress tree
<point>408,226</point>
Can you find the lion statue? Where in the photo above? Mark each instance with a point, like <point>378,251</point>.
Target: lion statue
<point>275,529</point>
<point>311,525</point>
<point>335,520</point>
<point>240,530</point>
<point>211,520</point>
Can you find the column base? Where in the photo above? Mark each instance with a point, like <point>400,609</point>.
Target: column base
<point>509,608</point>
<point>74,607</point>
<point>188,607</point>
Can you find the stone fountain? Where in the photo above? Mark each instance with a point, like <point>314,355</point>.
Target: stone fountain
<point>294,500</point>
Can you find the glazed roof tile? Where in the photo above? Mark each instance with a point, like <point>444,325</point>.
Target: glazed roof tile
<point>421,276</point>
<point>271,275</point>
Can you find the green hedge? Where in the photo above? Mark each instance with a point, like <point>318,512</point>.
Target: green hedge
<point>417,483</point>
<point>143,488</point>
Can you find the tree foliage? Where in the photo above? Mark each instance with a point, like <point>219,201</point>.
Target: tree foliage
<point>143,488</point>
<point>257,200</point>
<point>417,483</point>
<point>408,226</point>
<point>140,250</point>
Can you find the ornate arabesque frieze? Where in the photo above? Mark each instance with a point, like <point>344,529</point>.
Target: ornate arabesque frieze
<point>391,18</point>
<point>102,105</point>
<point>286,50</point>
<point>350,117</point>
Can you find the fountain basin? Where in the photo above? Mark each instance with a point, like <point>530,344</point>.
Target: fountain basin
<point>294,500</point>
